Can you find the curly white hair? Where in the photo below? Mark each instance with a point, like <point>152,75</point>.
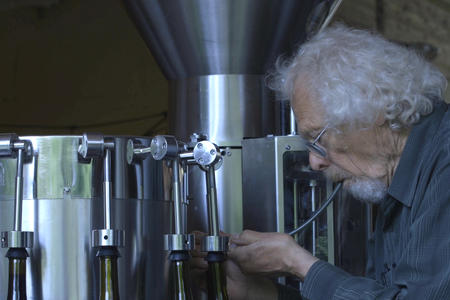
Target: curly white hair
<point>359,75</point>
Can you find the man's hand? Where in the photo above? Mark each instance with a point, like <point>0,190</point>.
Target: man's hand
<point>270,253</point>
<point>239,285</point>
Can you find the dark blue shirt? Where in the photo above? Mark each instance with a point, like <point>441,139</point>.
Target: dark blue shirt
<point>409,254</point>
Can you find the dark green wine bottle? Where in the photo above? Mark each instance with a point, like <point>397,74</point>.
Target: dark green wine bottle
<point>17,287</point>
<point>109,282</point>
<point>180,283</point>
<point>217,280</point>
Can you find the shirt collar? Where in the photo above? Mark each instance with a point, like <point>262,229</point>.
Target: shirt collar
<point>407,173</point>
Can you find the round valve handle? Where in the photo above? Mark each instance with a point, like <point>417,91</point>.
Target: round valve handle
<point>207,153</point>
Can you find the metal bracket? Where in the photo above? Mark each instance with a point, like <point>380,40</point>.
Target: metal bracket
<point>108,237</point>
<point>17,239</point>
<point>215,243</point>
<point>179,242</point>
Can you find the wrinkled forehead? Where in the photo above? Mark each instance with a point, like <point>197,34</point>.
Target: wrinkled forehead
<point>309,111</point>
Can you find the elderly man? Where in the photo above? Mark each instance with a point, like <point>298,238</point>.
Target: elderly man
<point>373,115</point>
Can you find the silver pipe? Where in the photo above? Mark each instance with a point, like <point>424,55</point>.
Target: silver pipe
<point>313,185</point>
<point>107,188</point>
<point>186,155</point>
<point>212,201</point>
<point>295,199</point>
<point>144,150</point>
<point>176,196</point>
<point>318,212</point>
<point>292,123</point>
<point>19,192</point>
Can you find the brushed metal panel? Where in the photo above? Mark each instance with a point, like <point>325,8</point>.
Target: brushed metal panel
<point>62,263</point>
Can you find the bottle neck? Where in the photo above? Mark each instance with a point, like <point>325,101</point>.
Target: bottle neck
<point>17,287</point>
<point>217,280</point>
<point>180,284</point>
<point>109,282</point>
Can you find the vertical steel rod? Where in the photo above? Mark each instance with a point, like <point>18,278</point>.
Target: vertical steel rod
<point>176,196</point>
<point>292,123</point>
<point>19,192</point>
<point>295,199</point>
<point>313,185</point>
<point>107,188</point>
<point>212,201</point>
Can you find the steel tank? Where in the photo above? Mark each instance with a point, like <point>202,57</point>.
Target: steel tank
<point>63,203</point>
<point>216,54</point>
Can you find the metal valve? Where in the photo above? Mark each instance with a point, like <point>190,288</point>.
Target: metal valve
<point>12,146</point>
<point>96,145</point>
<point>207,153</point>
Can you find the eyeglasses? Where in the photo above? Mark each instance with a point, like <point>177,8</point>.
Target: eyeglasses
<point>314,147</point>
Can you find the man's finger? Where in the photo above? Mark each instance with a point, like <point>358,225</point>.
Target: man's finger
<point>247,237</point>
<point>198,263</point>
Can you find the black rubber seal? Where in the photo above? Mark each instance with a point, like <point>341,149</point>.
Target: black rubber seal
<point>216,257</point>
<point>110,251</point>
<point>179,256</point>
<point>19,253</point>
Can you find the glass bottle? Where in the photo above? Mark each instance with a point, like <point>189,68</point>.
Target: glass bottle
<point>217,280</point>
<point>17,289</point>
<point>109,282</point>
<point>180,284</point>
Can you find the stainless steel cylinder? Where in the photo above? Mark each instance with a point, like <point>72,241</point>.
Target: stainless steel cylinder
<point>215,244</point>
<point>17,239</point>
<point>179,242</point>
<point>62,204</point>
<point>226,108</point>
<point>108,238</point>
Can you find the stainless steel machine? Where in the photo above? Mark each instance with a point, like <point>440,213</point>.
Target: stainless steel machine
<point>63,203</point>
<point>216,55</point>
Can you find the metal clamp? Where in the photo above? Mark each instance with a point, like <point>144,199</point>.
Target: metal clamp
<point>108,237</point>
<point>179,242</point>
<point>215,243</point>
<point>17,239</point>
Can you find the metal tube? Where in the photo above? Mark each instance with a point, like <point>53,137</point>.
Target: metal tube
<point>212,201</point>
<point>318,212</point>
<point>176,196</point>
<point>19,192</point>
<point>295,199</point>
<point>292,123</point>
<point>186,155</point>
<point>107,188</point>
<point>313,185</point>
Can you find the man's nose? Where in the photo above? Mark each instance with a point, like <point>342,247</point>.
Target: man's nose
<point>317,162</point>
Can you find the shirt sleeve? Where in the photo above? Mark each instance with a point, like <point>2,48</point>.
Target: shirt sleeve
<point>423,271</point>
